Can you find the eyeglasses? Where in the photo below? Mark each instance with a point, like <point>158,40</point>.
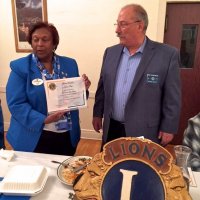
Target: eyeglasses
<point>125,24</point>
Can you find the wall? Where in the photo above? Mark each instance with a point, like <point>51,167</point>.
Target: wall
<point>86,29</point>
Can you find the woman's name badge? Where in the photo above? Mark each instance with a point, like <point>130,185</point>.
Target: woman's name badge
<point>37,81</point>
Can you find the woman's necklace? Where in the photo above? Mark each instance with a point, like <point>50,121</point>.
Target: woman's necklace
<point>45,72</point>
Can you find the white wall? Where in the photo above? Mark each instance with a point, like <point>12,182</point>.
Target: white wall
<point>86,29</point>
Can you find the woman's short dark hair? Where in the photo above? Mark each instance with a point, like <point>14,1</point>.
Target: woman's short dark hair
<point>50,27</point>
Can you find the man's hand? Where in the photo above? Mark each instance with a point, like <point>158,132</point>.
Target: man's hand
<point>165,138</point>
<point>86,81</point>
<point>97,124</point>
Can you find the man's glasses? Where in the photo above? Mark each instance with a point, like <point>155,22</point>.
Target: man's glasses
<point>125,24</point>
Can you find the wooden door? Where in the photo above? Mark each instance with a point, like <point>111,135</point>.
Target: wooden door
<point>182,30</point>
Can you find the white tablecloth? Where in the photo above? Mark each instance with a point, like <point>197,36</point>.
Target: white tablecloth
<point>195,191</point>
<point>54,189</point>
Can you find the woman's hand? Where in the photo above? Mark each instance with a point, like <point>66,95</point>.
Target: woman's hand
<point>86,81</point>
<point>54,117</point>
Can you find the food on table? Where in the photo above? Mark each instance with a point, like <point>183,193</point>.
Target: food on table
<point>69,172</point>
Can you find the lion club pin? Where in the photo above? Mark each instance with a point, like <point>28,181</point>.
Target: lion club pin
<point>37,81</point>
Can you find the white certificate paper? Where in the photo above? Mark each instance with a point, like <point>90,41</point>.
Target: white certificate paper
<point>65,94</point>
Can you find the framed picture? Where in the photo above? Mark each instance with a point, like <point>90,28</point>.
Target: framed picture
<point>25,14</point>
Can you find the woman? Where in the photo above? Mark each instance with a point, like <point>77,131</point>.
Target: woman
<point>31,127</point>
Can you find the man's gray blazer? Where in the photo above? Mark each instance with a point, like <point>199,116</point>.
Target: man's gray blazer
<point>154,100</point>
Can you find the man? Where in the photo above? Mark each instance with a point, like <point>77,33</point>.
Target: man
<point>1,128</point>
<point>138,93</point>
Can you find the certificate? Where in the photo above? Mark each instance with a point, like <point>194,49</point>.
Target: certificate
<point>65,94</point>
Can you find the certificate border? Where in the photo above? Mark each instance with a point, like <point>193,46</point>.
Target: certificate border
<point>46,84</point>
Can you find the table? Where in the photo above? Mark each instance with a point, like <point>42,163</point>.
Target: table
<point>195,191</point>
<point>54,189</point>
